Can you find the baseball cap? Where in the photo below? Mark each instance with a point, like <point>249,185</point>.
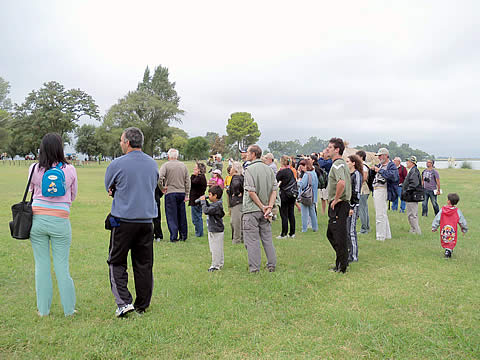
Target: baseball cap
<point>382,151</point>
<point>412,158</point>
<point>217,171</point>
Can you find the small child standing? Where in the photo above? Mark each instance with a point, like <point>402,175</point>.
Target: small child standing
<point>215,213</point>
<point>447,218</point>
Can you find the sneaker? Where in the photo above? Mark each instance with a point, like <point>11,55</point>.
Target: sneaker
<point>213,268</point>
<point>291,236</point>
<point>140,311</point>
<point>281,237</point>
<point>157,239</point>
<point>448,253</point>
<point>271,268</point>
<point>124,310</point>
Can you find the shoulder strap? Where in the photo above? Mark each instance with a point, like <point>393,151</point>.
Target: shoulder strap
<point>28,185</point>
<point>309,178</point>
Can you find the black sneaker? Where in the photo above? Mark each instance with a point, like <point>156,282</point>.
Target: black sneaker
<point>213,268</point>
<point>448,253</point>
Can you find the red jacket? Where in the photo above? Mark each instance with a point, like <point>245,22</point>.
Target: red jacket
<point>402,173</point>
<point>448,227</point>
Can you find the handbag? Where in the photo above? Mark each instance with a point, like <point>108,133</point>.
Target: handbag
<point>306,197</point>
<point>22,215</point>
<point>291,190</point>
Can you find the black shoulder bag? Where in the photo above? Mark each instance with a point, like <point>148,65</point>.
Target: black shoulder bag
<point>22,215</point>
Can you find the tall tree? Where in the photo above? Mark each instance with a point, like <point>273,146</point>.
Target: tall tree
<point>87,142</point>
<point>151,108</point>
<point>196,148</point>
<point>5,116</point>
<point>5,102</point>
<point>50,109</point>
<point>242,130</point>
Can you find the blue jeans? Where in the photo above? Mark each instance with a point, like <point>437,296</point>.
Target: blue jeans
<point>395,202</point>
<point>309,211</point>
<point>176,216</point>
<point>433,199</point>
<point>197,219</point>
<point>363,214</point>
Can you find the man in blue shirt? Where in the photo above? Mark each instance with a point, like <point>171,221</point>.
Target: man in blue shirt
<point>131,180</point>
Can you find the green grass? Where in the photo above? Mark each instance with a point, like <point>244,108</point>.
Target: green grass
<point>402,300</point>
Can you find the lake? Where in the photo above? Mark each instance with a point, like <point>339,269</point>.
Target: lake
<point>457,164</point>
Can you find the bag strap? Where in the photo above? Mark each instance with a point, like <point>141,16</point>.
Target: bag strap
<point>28,185</point>
<point>309,179</point>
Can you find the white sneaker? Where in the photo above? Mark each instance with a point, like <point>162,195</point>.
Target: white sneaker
<point>124,310</point>
<point>291,236</point>
<point>281,237</point>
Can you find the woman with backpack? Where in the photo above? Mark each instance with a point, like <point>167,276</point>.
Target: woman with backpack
<point>54,186</point>
<point>288,195</point>
<point>308,194</point>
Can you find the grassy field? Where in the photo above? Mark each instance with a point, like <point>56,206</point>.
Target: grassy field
<point>402,300</point>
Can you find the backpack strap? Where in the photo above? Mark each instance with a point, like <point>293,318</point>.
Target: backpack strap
<point>28,185</point>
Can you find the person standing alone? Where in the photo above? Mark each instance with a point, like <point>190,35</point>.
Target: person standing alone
<point>131,180</point>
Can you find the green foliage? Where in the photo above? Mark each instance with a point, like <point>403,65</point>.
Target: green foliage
<point>211,137</point>
<point>87,142</point>
<point>403,151</point>
<point>196,148</point>
<point>294,147</point>
<point>5,102</point>
<point>466,165</point>
<point>108,140</point>
<point>151,108</point>
<point>242,130</point>
<point>50,109</point>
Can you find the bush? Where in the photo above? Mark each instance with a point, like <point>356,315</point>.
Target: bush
<point>466,165</point>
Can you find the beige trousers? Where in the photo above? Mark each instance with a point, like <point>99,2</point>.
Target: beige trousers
<point>381,217</point>
<point>412,215</point>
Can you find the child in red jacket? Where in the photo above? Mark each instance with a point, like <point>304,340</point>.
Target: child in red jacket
<point>448,218</point>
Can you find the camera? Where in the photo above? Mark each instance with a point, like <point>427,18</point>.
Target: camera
<point>381,179</point>
<point>198,201</point>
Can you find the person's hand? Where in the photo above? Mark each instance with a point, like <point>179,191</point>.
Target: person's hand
<point>164,190</point>
<point>377,169</point>
<point>434,230</point>
<point>110,192</point>
<point>202,197</point>
<point>333,203</point>
<point>350,213</point>
<point>266,209</point>
<point>187,198</point>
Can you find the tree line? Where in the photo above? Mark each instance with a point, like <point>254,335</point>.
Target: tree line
<point>153,107</point>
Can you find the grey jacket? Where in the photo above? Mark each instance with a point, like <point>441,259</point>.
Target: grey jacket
<point>215,213</point>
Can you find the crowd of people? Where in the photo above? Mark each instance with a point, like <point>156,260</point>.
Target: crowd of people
<point>257,192</point>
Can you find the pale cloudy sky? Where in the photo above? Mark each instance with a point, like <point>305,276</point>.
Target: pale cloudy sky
<point>366,71</point>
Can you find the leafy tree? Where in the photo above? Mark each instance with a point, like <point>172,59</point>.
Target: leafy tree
<point>87,142</point>
<point>219,146</point>
<point>196,148</point>
<point>403,151</point>
<point>50,109</point>
<point>151,108</point>
<point>314,144</point>
<point>242,130</point>
<point>5,102</point>
<point>211,137</point>
<point>279,148</point>
<point>108,140</point>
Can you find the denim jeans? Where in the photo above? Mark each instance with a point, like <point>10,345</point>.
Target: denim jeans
<point>197,219</point>
<point>176,216</point>
<point>395,202</point>
<point>363,214</point>
<point>433,198</point>
<point>309,212</point>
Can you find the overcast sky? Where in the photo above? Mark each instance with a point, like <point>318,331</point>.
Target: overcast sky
<point>366,71</point>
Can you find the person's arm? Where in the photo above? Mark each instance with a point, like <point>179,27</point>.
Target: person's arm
<point>74,186</point>
<point>253,195</point>
<point>338,193</point>
<point>436,221</point>
<point>462,221</point>
<point>161,178</point>
<point>437,178</point>
<point>390,173</point>
<point>187,184</point>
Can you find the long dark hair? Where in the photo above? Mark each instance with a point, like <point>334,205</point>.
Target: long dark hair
<point>357,161</point>
<point>51,151</point>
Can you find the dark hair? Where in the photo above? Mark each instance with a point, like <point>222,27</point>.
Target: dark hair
<point>357,161</point>
<point>134,136</point>
<point>453,198</point>
<point>51,151</point>
<point>229,167</point>
<point>307,163</point>
<point>216,190</point>
<point>201,168</point>
<point>338,144</point>
<point>314,157</point>
<point>362,154</point>
<point>257,150</point>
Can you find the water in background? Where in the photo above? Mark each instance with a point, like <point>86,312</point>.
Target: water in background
<point>444,164</point>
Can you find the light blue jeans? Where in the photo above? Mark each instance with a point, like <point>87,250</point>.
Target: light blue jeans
<point>56,231</point>
<point>197,220</point>
<point>309,212</point>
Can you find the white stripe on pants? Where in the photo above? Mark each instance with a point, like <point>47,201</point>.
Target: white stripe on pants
<point>215,241</point>
<point>381,217</point>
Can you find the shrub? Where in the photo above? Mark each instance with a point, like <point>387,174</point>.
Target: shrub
<point>466,165</point>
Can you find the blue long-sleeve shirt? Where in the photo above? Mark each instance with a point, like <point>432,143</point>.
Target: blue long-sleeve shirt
<point>134,176</point>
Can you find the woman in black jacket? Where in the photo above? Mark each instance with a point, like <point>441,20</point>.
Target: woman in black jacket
<point>199,185</point>
<point>412,194</point>
<point>235,201</point>
<point>288,195</point>
<point>355,165</point>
